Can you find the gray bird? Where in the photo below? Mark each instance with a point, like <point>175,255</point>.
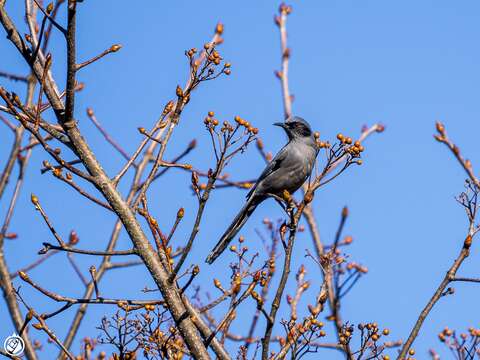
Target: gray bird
<point>287,171</point>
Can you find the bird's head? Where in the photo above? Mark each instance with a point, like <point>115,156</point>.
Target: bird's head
<point>296,127</point>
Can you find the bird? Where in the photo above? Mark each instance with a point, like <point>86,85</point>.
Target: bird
<point>288,170</point>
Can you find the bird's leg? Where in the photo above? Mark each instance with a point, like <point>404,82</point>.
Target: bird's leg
<point>290,212</point>
<point>290,206</point>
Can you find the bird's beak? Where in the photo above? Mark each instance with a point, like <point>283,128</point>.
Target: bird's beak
<point>281,124</point>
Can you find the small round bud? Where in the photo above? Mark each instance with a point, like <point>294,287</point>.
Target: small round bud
<point>115,48</point>
<point>196,270</point>
<point>34,199</point>
<point>308,197</point>
<point>73,238</point>
<point>179,91</point>
<point>57,172</point>
<point>23,275</point>
<point>468,241</point>
<point>219,29</point>
<point>49,8</point>
<point>180,213</point>
<point>440,127</point>
<point>168,107</point>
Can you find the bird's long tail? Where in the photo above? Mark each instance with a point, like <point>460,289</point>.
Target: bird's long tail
<point>234,228</point>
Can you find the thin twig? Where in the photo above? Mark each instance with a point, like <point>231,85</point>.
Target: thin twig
<point>285,10</point>
<point>464,279</point>
<point>464,252</point>
<point>13,77</point>
<point>61,298</point>
<point>52,20</point>
<point>91,116</point>
<point>77,270</point>
<point>54,232</point>
<point>111,49</point>
<point>283,282</point>
<point>47,247</point>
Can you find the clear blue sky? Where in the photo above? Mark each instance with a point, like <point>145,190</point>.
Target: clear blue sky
<point>405,64</point>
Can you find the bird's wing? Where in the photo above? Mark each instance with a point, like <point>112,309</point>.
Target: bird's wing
<point>271,167</point>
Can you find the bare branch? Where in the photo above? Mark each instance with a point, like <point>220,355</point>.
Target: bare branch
<point>47,247</point>
<point>281,22</point>
<point>107,137</point>
<point>464,252</point>
<point>111,49</point>
<point>13,77</point>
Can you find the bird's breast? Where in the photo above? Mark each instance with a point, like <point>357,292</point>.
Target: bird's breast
<point>291,173</point>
